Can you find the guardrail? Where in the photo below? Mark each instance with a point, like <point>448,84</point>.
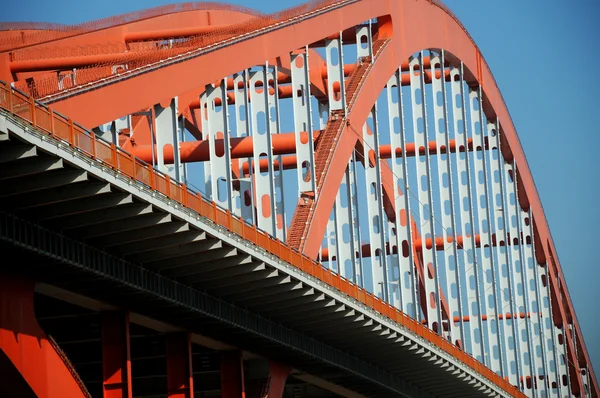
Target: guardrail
<point>64,129</point>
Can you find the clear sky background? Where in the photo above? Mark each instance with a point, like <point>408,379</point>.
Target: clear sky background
<point>545,57</point>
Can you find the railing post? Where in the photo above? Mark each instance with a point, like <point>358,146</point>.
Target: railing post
<point>152,178</point>
<point>52,116</point>
<point>10,97</point>
<point>71,132</point>
<point>113,152</point>
<point>93,140</point>
<point>134,175</point>
<point>168,179</point>
<point>32,104</point>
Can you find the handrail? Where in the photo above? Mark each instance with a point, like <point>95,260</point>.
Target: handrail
<point>124,163</point>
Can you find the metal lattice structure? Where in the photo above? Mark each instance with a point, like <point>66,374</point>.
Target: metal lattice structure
<point>363,144</point>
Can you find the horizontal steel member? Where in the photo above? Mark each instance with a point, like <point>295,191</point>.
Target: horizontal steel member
<point>287,163</point>
<point>484,317</point>
<point>171,33</point>
<point>418,245</point>
<point>198,151</point>
<point>283,144</point>
<point>385,151</point>
<point>287,91</point>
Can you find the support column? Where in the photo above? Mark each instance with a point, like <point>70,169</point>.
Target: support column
<point>278,374</point>
<point>169,131</point>
<point>180,381</point>
<point>116,358</point>
<point>25,349</point>
<point>232,375</point>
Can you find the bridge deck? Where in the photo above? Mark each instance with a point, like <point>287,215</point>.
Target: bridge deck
<point>74,217</point>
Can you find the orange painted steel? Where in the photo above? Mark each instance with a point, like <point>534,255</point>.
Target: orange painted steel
<point>180,378</point>
<point>440,244</point>
<point>39,360</point>
<point>232,374</point>
<point>385,151</point>
<point>201,44</point>
<point>283,144</point>
<point>409,26</point>
<point>117,27</point>
<point>287,92</point>
<point>484,317</point>
<point>63,129</point>
<point>198,151</point>
<point>116,356</point>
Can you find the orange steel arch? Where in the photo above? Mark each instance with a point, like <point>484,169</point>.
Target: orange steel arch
<point>412,26</point>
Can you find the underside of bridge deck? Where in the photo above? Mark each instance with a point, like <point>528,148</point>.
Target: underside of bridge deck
<point>82,230</point>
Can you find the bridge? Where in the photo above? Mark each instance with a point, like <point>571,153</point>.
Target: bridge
<point>330,200</point>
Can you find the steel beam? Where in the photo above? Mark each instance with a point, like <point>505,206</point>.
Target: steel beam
<point>407,278</point>
<point>232,374</point>
<point>168,131</point>
<point>116,357</point>
<point>180,380</point>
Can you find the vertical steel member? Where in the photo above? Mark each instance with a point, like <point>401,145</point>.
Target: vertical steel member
<point>364,41</point>
<point>331,240</point>
<point>559,347</point>
<point>550,340</point>
<point>274,128</point>
<point>355,222</point>
<point>529,287</point>
<point>215,126</point>
<point>515,374</point>
<point>168,131</point>
<point>232,374</point>
<point>375,208</point>
<point>409,283</point>
<point>245,194</point>
<point>116,356</point>
<point>517,272</point>
<point>335,74</point>
<point>264,189</point>
<point>481,202</point>
<point>470,280</point>
<point>343,235</point>
<point>540,333</point>
<point>445,183</point>
<point>110,131</point>
<point>303,121</point>
<point>497,224</point>
<point>180,378</point>
<point>427,219</point>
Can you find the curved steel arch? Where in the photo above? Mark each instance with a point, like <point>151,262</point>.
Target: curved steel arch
<point>416,26</point>
<point>413,26</point>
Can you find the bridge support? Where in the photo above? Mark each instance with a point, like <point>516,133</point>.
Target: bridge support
<point>43,368</point>
<point>116,357</point>
<point>232,375</point>
<point>180,382</point>
<point>278,374</point>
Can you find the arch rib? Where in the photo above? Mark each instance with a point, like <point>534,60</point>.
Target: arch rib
<point>416,25</point>
<point>420,25</point>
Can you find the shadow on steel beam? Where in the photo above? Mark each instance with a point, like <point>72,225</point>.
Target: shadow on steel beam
<point>41,365</point>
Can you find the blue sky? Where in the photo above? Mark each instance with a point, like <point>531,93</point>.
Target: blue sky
<point>544,55</point>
